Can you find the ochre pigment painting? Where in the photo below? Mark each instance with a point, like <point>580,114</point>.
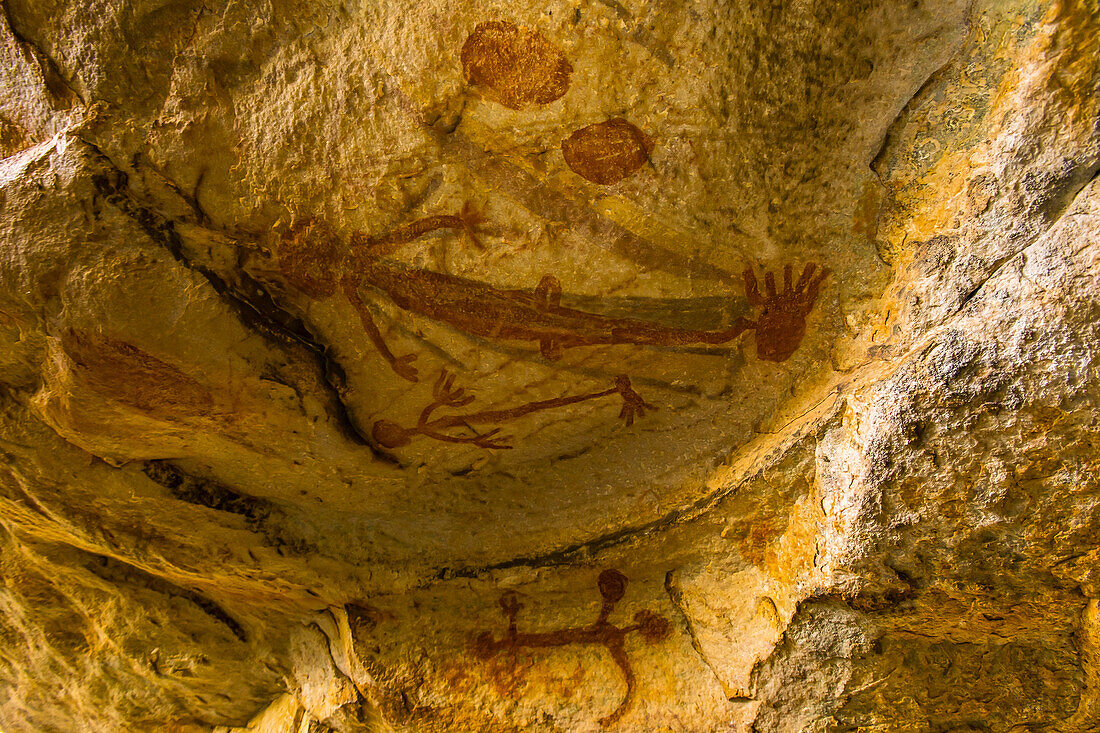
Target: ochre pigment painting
<point>518,68</point>
<point>651,627</point>
<point>315,262</point>
<point>550,367</point>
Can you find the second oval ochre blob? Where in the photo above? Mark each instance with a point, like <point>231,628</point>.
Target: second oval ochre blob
<point>606,152</point>
<point>517,64</point>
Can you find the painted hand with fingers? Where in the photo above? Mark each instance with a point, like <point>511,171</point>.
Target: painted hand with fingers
<point>781,325</point>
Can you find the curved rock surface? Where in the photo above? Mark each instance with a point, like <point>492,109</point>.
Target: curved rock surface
<point>333,398</point>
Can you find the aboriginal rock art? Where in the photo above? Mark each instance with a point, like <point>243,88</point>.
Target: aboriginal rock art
<point>311,260</point>
<point>516,65</point>
<point>606,152</point>
<point>612,584</point>
<point>467,220</point>
<point>391,435</point>
<point>134,377</point>
<point>781,325</point>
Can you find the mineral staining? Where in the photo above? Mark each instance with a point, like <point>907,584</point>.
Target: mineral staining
<point>606,152</point>
<point>516,65</point>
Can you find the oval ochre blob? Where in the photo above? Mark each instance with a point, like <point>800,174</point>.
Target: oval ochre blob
<point>517,64</point>
<point>606,152</point>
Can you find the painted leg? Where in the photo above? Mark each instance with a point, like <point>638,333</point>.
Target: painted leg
<point>400,364</point>
<point>548,295</point>
<point>618,653</point>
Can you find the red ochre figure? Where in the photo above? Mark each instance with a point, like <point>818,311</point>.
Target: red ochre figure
<point>389,434</point>
<point>310,259</point>
<point>612,584</point>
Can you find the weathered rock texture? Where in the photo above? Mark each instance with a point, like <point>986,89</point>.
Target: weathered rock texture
<point>864,499</point>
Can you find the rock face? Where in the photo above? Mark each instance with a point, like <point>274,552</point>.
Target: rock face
<point>549,367</point>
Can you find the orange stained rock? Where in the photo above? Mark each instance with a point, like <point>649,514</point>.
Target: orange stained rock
<point>518,65</point>
<point>606,152</point>
<point>13,138</point>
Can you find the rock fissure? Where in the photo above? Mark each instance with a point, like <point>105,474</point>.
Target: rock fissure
<point>676,598</point>
<point>195,490</point>
<point>1069,197</point>
<point>60,88</point>
<point>256,307</point>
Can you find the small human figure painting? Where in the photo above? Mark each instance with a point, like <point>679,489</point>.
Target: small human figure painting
<point>517,66</point>
<point>651,627</point>
<point>389,434</point>
<point>606,152</point>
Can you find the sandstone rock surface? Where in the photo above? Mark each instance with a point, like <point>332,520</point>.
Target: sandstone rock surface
<point>714,366</point>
